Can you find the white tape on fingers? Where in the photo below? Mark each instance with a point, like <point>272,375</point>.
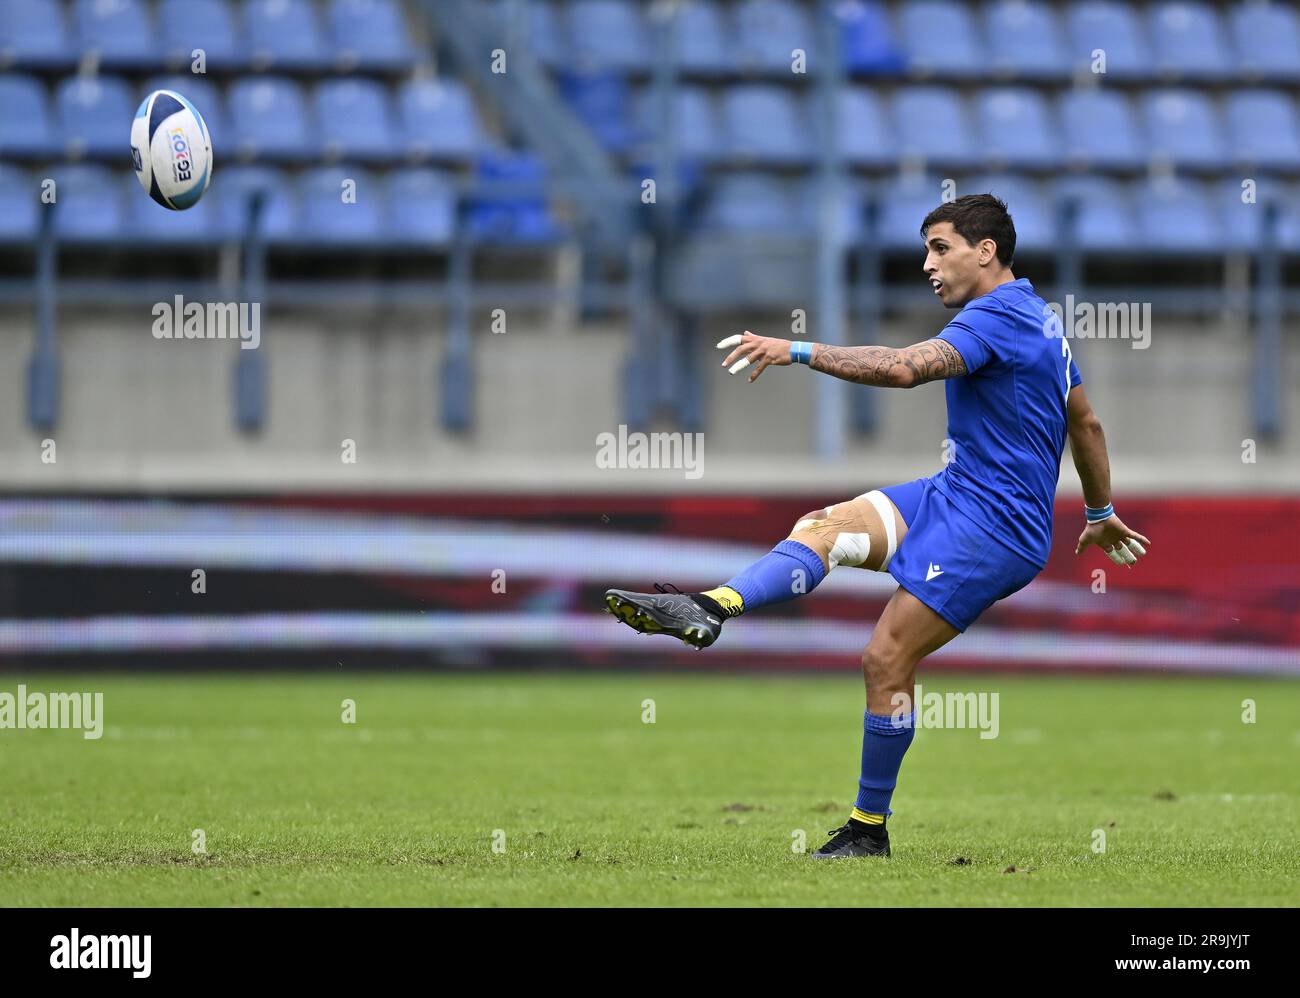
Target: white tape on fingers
<point>1114,556</point>
<point>1129,557</point>
<point>730,341</point>
<point>739,366</point>
<point>1135,547</point>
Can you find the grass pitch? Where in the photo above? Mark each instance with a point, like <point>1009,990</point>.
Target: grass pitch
<point>592,806</point>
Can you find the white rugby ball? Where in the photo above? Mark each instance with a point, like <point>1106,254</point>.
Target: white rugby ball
<point>171,150</point>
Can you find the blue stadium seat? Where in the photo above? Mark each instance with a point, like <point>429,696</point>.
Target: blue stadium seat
<point>355,120</point>
<point>767,31</point>
<point>370,35</point>
<point>1025,40</point>
<point>34,35</point>
<point>932,126</point>
<point>1267,39</point>
<point>94,116</point>
<point>1243,221</point>
<point>328,220</point>
<point>764,125</point>
<point>609,34</point>
<point>1183,129</point>
<point>422,208</point>
<point>284,35</point>
<point>1188,42</point>
<point>1032,213</point>
<point>941,37</point>
<point>438,120</point>
<point>754,203</point>
<point>902,204</point>
<point>233,187</point>
<point>206,98</point>
<point>120,32</point>
<point>516,216</point>
<point>26,124</point>
<point>1106,220</point>
<point>848,217</point>
<point>1099,130</point>
<point>19,204</point>
<point>695,116</point>
<point>148,221</point>
<point>1262,129</point>
<point>702,39</point>
<point>1177,216</point>
<point>270,119</point>
<point>1016,129</point>
<point>600,98</point>
<point>186,25</point>
<point>1113,28</point>
<point>88,203</point>
<point>867,42</point>
<point>547,36</point>
<point>864,133</point>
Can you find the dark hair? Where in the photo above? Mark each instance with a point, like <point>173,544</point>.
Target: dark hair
<point>975,217</point>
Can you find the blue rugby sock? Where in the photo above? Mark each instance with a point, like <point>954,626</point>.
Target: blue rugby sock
<point>883,746</point>
<point>790,569</point>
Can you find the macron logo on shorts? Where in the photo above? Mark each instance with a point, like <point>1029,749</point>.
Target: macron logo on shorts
<point>932,571</point>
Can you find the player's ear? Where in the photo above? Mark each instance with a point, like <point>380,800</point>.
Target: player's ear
<point>988,250</point>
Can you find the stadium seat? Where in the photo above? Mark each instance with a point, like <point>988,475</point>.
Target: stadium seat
<point>932,126</point>
<point>328,220</point>
<point>601,100</point>
<point>1025,40</point>
<point>1267,38</point>
<point>25,120</point>
<point>150,222</point>
<point>1112,28</point>
<point>695,116</point>
<point>204,95</point>
<point>269,115</point>
<point>547,35</point>
<point>1187,40</point>
<point>1262,129</point>
<point>902,202</point>
<point>609,34</point>
<point>1177,216</point>
<point>119,32</point>
<point>284,35</point>
<point>1183,128</point>
<point>370,36</point>
<point>767,32</point>
<point>765,125</point>
<point>518,215</point>
<point>754,203</point>
<point>426,202</point>
<point>279,219</point>
<point>1243,220</point>
<point>702,39</point>
<point>1034,216</point>
<point>19,204</point>
<point>1099,130</point>
<point>94,116</point>
<point>88,204</point>
<point>864,134</point>
<point>941,38</point>
<point>438,120</point>
<point>187,25</point>
<point>1016,129</point>
<point>867,42</point>
<point>1105,219</point>
<point>355,120</point>
<point>34,35</point>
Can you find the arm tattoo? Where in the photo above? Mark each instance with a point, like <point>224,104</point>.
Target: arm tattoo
<point>888,367</point>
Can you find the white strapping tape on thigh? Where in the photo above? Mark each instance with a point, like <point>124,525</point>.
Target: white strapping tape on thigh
<point>886,510</point>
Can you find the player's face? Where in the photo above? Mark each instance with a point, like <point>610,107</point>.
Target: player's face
<point>951,265</point>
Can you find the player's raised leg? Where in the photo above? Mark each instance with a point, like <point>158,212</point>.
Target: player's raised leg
<point>862,533</point>
<point>907,631</point>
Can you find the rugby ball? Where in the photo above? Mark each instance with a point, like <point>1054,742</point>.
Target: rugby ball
<point>171,150</point>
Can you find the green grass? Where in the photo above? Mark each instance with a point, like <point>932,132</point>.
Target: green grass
<point>598,808</point>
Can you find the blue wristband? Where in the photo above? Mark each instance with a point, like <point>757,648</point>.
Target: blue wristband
<point>800,352</point>
<point>1095,515</point>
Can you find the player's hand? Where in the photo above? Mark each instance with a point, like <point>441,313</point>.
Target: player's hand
<point>757,350</point>
<point>1122,545</point>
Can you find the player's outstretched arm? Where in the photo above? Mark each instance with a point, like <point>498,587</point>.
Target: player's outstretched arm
<point>1088,448</point>
<point>885,367</point>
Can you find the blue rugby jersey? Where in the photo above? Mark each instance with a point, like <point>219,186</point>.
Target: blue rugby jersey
<point>1006,417</point>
